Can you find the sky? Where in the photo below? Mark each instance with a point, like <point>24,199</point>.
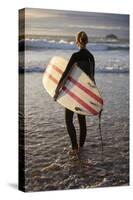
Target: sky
<point>57,22</point>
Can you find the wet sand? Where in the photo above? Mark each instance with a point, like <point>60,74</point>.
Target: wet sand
<point>47,163</point>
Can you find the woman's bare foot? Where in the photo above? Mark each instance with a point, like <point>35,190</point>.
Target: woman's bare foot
<point>73,152</point>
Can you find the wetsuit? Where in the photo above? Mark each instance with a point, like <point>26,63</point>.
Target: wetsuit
<point>86,62</point>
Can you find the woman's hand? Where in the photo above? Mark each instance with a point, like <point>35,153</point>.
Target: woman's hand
<point>57,91</point>
<point>56,96</point>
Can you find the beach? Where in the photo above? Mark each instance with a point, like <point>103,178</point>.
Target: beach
<point>47,163</point>
<point>44,141</point>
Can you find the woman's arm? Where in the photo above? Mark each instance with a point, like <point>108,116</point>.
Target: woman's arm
<point>68,68</point>
<point>64,76</point>
<point>92,63</point>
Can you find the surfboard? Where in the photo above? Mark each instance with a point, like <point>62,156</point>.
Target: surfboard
<point>79,93</point>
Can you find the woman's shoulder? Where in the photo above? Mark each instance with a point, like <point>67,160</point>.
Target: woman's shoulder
<point>74,56</point>
<point>90,54</point>
<point>82,52</point>
<point>75,53</point>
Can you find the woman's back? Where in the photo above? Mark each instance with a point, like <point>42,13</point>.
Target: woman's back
<point>85,61</point>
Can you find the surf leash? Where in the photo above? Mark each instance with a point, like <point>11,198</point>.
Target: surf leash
<point>100,132</point>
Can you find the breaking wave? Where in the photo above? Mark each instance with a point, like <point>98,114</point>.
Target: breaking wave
<point>35,44</point>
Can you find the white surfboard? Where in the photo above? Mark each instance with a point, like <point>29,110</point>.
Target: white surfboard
<point>79,93</point>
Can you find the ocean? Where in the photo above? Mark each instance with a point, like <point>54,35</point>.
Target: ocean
<point>110,55</point>
<point>47,164</point>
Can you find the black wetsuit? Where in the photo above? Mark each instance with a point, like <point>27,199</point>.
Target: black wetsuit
<point>86,62</point>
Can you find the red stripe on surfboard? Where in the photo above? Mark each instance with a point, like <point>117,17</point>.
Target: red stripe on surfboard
<point>51,78</point>
<point>80,101</point>
<point>57,69</point>
<point>74,96</point>
<point>86,90</point>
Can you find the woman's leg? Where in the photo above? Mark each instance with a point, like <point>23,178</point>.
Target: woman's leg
<point>83,129</point>
<point>70,128</point>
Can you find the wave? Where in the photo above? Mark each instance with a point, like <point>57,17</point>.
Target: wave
<point>43,44</point>
<point>107,47</point>
<point>31,44</point>
<point>98,70</point>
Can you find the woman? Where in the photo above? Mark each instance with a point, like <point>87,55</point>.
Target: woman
<point>85,61</point>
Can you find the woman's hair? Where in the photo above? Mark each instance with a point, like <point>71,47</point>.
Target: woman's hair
<point>81,39</point>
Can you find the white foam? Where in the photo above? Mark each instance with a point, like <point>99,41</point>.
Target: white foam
<point>63,44</point>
